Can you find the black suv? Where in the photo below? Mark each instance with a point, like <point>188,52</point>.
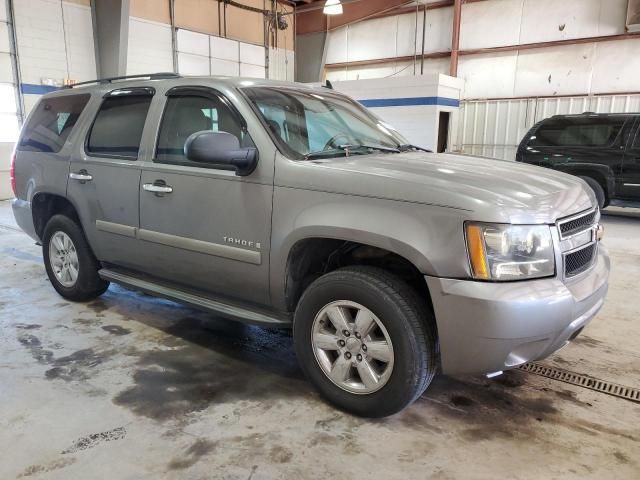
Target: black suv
<point>602,149</point>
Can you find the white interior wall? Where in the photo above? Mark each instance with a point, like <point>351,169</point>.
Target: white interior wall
<point>560,70</point>
<point>281,64</point>
<point>201,54</point>
<point>149,47</point>
<point>418,122</point>
<point>78,34</point>
<point>55,44</point>
<point>586,73</point>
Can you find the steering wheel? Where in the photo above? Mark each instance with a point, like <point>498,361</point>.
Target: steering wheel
<point>332,142</point>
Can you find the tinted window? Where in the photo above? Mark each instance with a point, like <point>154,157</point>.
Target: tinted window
<point>187,114</point>
<point>577,132</point>
<point>636,143</point>
<point>117,129</point>
<point>51,123</point>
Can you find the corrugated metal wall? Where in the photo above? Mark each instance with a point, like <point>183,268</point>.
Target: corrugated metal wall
<point>494,128</point>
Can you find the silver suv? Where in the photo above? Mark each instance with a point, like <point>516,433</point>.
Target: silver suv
<point>293,206</point>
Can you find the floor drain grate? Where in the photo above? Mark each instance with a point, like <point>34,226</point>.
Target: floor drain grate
<point>585,381</point>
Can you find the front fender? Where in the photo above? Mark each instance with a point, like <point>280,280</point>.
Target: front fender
<point>430,237</point>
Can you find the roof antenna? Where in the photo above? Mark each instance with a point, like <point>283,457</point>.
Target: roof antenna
<point>327,84</point>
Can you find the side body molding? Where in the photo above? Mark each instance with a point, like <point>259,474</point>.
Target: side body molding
<point>208,248</point>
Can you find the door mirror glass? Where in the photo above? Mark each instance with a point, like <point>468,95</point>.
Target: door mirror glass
<point>222,150</point>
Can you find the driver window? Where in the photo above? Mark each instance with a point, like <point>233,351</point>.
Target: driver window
<point>187,114</point>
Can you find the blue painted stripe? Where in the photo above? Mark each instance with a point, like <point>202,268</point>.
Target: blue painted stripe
<point>35,89</point>
<point>410,102</point>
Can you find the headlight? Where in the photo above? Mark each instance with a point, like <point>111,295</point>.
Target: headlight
<point>509,252</point>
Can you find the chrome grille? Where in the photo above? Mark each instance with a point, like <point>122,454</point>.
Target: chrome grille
<point>576,225</point>
<point>579,261</point>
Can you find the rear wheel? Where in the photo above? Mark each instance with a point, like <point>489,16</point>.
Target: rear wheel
<point>69,261</point>
<point>366,340</point>
<point>599,192</point>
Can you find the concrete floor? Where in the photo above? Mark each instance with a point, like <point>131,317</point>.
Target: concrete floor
<point>131,387</point>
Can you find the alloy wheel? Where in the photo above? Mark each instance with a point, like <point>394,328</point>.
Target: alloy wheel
<point>63,258</point>
<point>352,347</point>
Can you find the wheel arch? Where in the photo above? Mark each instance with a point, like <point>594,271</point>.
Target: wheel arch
<point>602,174</point>
<point>45,205</point>
<point>320,251</point>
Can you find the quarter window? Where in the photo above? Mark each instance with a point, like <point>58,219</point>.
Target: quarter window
<point>576,132</point>
<point>117,129</point>
<point>51,123</point>
<point>187,114</point>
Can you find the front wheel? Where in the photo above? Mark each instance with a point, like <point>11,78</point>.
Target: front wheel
<point>366,340</point>
<point>69,261</point>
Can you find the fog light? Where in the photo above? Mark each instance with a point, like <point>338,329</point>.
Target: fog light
<point>599,232</point>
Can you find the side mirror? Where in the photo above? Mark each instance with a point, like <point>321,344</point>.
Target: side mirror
<point>221,149</point>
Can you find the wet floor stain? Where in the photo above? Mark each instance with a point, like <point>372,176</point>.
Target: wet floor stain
<point>189,457</point>
<point>74,367</point>
<point>116,330</point>
<point>27,326</point>
<point>35,348</point>
<point>279,454</point>
<point>621,457</point>
<point>482,409</point>
<point>93,440</point>
<point>588,341</point>
<point>37,470</point>
<point>98,306</point>
<point>87,322</point>
<point>202,364</point>
<point>77,366</point>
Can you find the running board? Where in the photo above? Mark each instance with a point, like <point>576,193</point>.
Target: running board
<point>192,299</point>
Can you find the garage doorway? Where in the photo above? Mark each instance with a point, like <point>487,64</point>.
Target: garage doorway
<point>443,131</point>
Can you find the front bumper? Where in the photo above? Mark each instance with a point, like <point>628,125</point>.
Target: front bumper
<point>488,327</point>
<point>24,218</point>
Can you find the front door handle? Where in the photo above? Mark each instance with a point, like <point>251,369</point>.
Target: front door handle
<point>82,176</point>
<point>157,187</point>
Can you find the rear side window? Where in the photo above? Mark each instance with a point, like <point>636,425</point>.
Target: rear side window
<point>51,123</point>
<point>577,132</point>
<point>117,129</point>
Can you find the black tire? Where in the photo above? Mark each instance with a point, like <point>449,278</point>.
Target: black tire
<point>407,319</point>
<point>88,284</point>
<point>599,192</point>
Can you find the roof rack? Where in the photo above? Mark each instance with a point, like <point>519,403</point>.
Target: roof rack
<point>150,76</point>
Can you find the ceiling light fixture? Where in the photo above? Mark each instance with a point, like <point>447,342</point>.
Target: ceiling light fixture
<point>332,7</point>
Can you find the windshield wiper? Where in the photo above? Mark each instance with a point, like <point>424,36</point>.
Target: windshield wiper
<point>348,150</point>
<point>325,154</point>
<point>381,148</point>
<point>408,146</point>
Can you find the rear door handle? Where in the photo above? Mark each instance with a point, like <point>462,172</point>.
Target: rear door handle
<point>82,176</point>
<point>157,187</point>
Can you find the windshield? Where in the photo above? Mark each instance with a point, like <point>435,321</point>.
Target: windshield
<point>311,125</point>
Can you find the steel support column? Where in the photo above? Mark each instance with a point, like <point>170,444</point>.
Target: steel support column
<point>455,38</point>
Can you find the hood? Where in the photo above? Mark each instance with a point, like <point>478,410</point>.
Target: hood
<point>489,189</point>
